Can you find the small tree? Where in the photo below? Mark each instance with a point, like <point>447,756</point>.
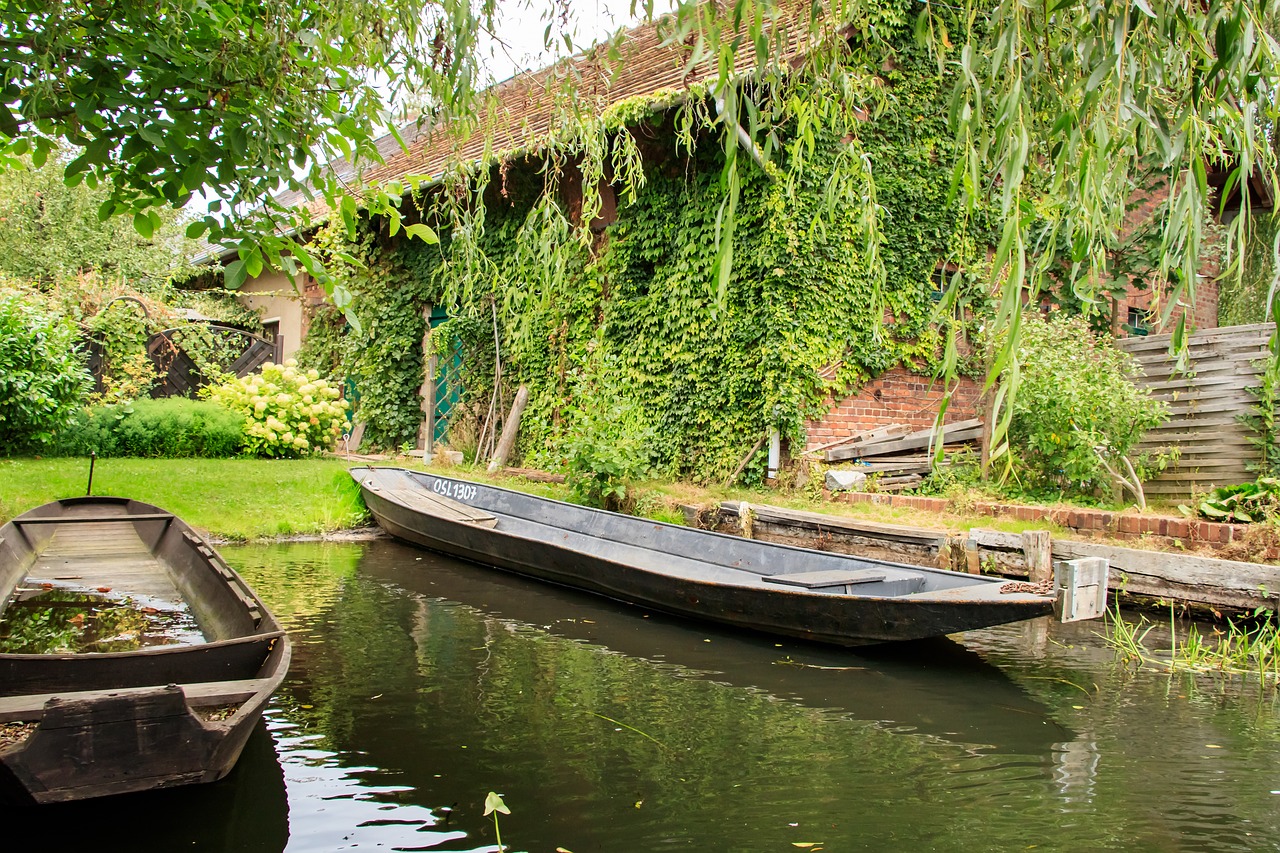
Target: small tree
<point>43,379</point>
<point>1077,416</point>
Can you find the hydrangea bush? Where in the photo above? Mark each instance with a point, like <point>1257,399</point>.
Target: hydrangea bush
<point>288,412</point>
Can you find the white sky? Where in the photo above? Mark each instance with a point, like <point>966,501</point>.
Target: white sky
<point>521,24</point>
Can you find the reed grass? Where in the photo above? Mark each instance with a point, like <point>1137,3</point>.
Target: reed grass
<point>1248,646</point>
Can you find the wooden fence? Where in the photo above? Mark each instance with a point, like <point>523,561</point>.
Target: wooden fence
<point>232,350</point>
<point>1205,405</point>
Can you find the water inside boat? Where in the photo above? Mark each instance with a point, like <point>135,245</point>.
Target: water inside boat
<point>95,587</point>
<point>44,618</point>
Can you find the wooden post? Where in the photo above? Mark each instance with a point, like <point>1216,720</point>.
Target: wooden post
<point>1081,587</point>
<point>973,564</point>
<point>944,552</point>
<point>1038,550</point>
<point>426,431</point>
<point>510,429</point>
<point>988,427</point>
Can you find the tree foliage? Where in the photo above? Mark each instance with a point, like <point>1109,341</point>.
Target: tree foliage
<point>43,380</point>
<point>233,101</point>
<point>50,232</point>
<point>1058,113</point>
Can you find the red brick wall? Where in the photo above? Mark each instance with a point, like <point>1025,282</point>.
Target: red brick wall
<point>1201,315</point>
<point>897,396</point>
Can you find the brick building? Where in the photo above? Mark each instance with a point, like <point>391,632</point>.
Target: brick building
<point>522,115</point>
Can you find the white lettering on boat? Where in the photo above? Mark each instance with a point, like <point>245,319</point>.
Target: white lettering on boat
<point>457,491</point>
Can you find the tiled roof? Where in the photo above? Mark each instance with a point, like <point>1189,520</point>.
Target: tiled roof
<point>522,110</point>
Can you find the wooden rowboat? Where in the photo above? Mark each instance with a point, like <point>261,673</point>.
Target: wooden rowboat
<point>90,724</point>
<point>779,589</point>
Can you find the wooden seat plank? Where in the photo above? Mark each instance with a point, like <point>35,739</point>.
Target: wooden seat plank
<point>832,577</point>
<point>441,507</point>
<point>30,707</point>
<point>95,519</point>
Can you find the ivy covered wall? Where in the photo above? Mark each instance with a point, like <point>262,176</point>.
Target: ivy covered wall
<point>628,337</point>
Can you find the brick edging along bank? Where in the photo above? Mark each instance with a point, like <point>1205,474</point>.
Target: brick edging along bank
<point>1119,525</point>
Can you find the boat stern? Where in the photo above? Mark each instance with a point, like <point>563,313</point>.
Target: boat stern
<point>112,744</point>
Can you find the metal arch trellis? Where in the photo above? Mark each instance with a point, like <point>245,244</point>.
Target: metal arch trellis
<point>181,374</point>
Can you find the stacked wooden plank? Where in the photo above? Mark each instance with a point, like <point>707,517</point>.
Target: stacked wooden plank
<point>1205,404</point>
<point>896,454</point>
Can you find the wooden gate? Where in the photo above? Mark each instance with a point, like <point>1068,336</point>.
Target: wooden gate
<point>231,350</point>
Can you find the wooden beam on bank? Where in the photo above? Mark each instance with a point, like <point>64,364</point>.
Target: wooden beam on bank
<point>821,522</point>
<point>1205,581</point>
<point>1202,580</point>
<point>960,431</point>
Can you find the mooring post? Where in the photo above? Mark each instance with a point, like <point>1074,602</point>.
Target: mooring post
<point>93,457</point>
<point>1038,550</point>
<point>1080,587</point>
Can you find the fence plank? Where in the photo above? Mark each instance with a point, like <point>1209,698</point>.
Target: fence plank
<point>1205,404</point>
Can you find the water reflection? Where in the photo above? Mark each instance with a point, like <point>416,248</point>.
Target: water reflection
<point>419,685</point>
<point>334,806</point>
<point>930,687</point>
<point>433,682</point>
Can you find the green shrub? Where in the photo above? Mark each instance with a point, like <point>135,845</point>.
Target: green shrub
<point>92,431</point>
<point>1074,401</point>
<point>43,379</point>
<point>608,447</point>
<point>287,412</point>
<point>169,428</point>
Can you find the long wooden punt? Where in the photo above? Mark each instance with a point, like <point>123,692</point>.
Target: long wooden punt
<point>794,592</point>
<point>104,723</point>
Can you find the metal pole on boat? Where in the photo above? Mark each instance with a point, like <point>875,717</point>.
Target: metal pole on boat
<point>93,457</point>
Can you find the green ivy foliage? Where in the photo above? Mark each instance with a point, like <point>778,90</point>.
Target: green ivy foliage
<point>638,320</point>
<point>384,359</point>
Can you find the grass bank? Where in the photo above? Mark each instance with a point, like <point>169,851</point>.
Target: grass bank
<point>248,499</point>
<point>229,498</point>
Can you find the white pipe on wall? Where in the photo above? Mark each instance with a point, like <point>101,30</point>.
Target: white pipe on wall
<point>775,452</point>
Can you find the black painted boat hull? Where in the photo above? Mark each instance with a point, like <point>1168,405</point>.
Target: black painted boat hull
<point>684,571</point>
<point>121,722</point>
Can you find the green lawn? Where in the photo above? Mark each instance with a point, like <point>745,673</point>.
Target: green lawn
<point>231,498</point>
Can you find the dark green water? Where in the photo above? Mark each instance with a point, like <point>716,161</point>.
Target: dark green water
<point>420,684</point>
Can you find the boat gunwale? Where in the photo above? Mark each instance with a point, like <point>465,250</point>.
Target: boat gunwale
<point>267,626</point>
<point>923,598</point>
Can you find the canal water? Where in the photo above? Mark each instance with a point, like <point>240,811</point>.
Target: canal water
<point>420,684</point>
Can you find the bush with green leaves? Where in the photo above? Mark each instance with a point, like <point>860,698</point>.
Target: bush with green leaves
<point>609,446</point>
<point>288,412</point>
<point>43,380</point>
<point>1075,407</point>
<point>173,427</point>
